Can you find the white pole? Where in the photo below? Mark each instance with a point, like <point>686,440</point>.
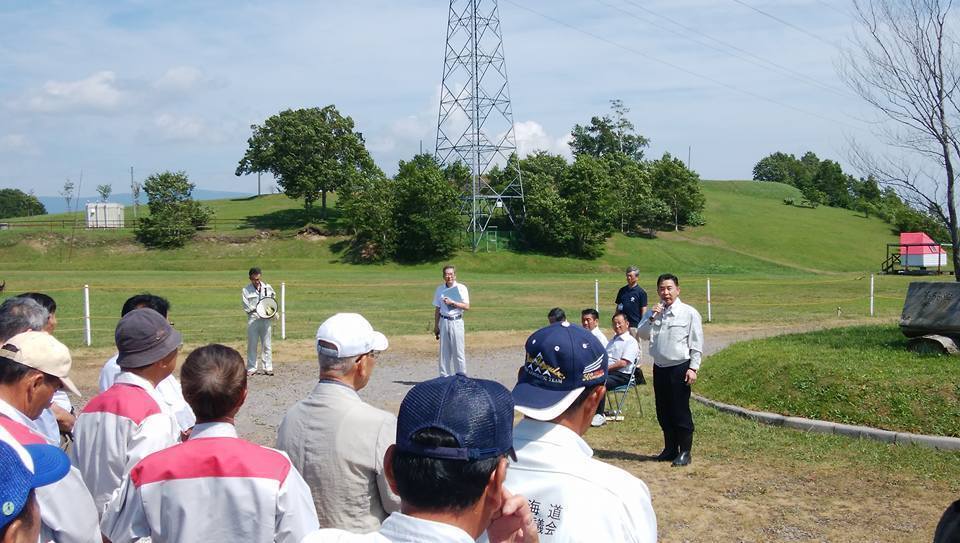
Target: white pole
<point>596,294</point>
<point>871,294</point>
<point>709,304</point>
<point>283,311</point>
<point>86,313</point>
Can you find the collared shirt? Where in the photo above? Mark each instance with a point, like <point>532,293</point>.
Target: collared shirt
<point>116,430</point>
<point>169,389</point>
<point>337,442</point>
<point>214,487</point>
<point>572,496</point>
<point>599,335</point>
<point>623,346</point>
<point>676,335</point>
<point>398,528</point>
<point>251,296</point>
<point>445,310</point>
<point>67,512</point>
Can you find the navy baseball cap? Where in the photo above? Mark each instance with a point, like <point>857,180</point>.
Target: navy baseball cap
<point>477,412</point>
<point>24,468</point>
<point>561,361</point>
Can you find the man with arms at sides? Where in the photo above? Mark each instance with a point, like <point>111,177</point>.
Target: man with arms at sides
<point>169,389</point>
<point>58,418</point>
<point>448,322</point>
<point>631,300</point>
<point>573,497</point>
<point>334,438</point>
<point>32,366</point>
<point>622,352</point>
<point>121,426</point>
<point>590,319</point>
<point>448,465</point>
<point>23,471</point>
<point>675,331</point>
<point>215,487</point>
<point>258,329</point>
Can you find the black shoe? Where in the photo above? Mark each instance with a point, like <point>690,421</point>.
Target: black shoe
<point>682,460</point>
<point>667,455</point>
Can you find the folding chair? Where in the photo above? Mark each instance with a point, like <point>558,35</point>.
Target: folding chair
<point>620,394</point>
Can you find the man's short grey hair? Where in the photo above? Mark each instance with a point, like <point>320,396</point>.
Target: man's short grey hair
<point>333,364</point>
<point>19,315</point>
<point>633,269</point>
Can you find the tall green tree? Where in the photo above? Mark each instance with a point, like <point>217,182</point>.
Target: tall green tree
<point>16,203</point>
<point>174,215</point>
<point>426,214</point>
<point>679,188</point>
<point>367,207</point>
<point>590,201</point>
<point>611,133</point>
<point>310,151</point>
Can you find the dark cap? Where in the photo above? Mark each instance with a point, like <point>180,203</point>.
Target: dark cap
<point>143,337</point>
<point>561,361</point>
<point>477,412</point>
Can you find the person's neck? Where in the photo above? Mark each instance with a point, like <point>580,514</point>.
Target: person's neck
<point>340,378</point>
<point>14,398</point>
<point>469,520</point>
<point>229,419</point>
<point>149,373</point>
<point>575,421</point>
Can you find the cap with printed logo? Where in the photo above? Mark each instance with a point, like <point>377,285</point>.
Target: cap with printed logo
<point>42,352</point>
<point>561,360</point>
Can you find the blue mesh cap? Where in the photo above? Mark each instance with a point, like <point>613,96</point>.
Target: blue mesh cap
<point>477,412</point>
<point>561,360</point>
<point>49,464</point>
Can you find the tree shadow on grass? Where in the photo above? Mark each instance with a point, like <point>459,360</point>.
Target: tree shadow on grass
<point>623,455</point>
<point>290,219</point>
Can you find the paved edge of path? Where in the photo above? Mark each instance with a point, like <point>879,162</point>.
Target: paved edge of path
<point>942,443</point>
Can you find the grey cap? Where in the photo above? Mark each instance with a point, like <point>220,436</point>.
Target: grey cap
<point>143,337</point>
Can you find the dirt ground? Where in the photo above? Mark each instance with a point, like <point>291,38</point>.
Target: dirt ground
<point>715,499</point>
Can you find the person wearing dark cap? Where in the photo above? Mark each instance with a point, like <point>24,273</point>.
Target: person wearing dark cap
<point>24,470</point>
<point>573,497</point>
<point>454,435</point>
<point>32,366</point>
<point>121,426</point>
<point>948,529</point>
<point>337,440</point>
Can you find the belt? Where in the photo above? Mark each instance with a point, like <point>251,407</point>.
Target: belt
<point>458,317</point>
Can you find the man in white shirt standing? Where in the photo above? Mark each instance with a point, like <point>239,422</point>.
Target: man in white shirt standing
<point>572,496</point>
<point>622,352</point>
<point>334,438</point>
<point>258,329</point>
<point>675,331</point>
<point>450,300</point>
<point>454,435</point>
<point>590,319</point>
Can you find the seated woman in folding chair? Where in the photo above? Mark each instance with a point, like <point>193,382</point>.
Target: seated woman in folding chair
<point>623,351</point>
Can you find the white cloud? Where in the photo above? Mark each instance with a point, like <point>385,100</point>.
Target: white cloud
<point>172,127</point>
<point>180,79</point>
<point>18,144</point>
<point>532,137</point>
<point>98,92</point>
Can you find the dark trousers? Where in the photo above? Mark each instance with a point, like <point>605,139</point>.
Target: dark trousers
<point>673,399</point>
<point>614,380</point>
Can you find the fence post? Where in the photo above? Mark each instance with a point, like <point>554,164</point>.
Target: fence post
<point>709,304</point>
<point>283,310</point>
<point>86,314</point>
<point>596,294</point>
<point>871,294</point>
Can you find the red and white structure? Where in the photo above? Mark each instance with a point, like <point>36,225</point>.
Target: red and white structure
<point>917,250</point>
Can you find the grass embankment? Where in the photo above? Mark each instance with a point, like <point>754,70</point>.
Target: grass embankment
<point>857,375</point>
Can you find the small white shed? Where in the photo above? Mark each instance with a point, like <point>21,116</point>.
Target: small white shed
<point>104,215</point>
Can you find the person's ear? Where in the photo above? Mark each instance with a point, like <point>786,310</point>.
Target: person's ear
<point>388,468</point>
<point>594,399</point>
<point>243,397</point>
<point>493,492</point>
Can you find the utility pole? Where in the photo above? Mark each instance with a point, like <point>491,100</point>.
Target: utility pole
<point>475,122</point>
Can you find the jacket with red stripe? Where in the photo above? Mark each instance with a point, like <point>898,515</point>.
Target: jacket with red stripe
<point>117,429</point>
<point>214,487</point>
<point>67,513</point>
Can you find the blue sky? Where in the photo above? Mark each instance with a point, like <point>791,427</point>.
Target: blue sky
<point>101,86</point>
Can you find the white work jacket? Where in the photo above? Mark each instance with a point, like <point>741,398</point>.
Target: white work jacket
<point>572,496</point>
<point>67,513</point>
<point>214,487</point>
<point>251,296</point>
<point>116,430</point>
<point>169,389</point>
<point>676,335</point>
<point>397,528</point>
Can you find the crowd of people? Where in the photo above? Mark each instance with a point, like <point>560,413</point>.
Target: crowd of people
<point>155,458</point>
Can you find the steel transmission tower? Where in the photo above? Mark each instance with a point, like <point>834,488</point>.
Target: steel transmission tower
<point>475,124</point>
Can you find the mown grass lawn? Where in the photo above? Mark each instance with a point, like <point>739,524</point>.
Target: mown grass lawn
<point>857,375</point>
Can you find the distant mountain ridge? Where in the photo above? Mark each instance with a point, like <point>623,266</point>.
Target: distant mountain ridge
<point>56,204</point>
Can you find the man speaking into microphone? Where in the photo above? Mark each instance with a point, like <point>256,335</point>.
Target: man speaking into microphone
<point>675,331</point>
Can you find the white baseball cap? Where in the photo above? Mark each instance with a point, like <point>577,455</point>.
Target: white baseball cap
<point>41,351</point>
<point>350,334</point>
